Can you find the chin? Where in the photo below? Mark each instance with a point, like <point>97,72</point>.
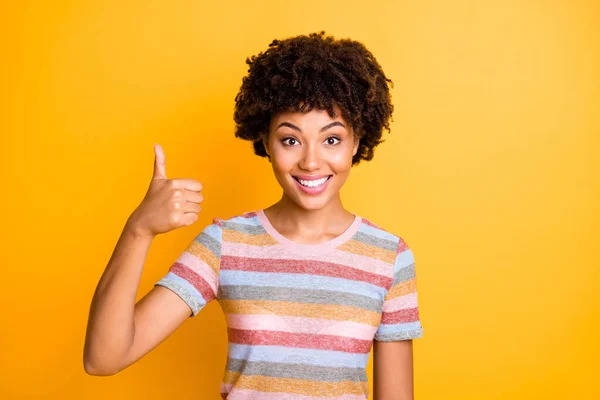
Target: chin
<point>314,203</point>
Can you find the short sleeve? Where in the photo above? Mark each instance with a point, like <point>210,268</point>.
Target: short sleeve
<point>400,312</point>
<point>194,276</point>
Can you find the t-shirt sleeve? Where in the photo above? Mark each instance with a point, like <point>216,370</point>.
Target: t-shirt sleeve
<point>194,276</point>
<point>400,312</point>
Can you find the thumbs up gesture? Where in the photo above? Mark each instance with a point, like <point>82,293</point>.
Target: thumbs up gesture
<point>168,204</point>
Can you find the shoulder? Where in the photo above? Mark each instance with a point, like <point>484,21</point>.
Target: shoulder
<point>213,235</point>
<point>382,236</point>
<point>237,221</point>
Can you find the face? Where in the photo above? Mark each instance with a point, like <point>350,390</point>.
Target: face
<point>311,155</point>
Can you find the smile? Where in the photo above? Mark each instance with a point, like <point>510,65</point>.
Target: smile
<point>314,182</point>
<point>314,186</point>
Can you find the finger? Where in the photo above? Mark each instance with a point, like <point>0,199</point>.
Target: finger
<point>189,218</point>
<point>159,163</point>
<point>191,207</point>
<point>187,183</point>
<point>193,197</point>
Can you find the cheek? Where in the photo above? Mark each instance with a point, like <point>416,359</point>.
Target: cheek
<point>341,161</point>
<point>282,160</point>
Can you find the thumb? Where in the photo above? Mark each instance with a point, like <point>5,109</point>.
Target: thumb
<point>159,163</point>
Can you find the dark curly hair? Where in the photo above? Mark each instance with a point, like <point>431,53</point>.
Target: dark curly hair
<point>315,71</point>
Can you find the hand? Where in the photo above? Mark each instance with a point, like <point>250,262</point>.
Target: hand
<point>168,204</point>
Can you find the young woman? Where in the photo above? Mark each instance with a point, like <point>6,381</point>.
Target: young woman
<point>307,287</point>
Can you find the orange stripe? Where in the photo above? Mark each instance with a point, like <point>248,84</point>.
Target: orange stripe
<point>294,309</point>
<point>365,249</point>
<point>295,386</point>
<point>402,288</point>
<point>241,237</point>
<point>200,251</point>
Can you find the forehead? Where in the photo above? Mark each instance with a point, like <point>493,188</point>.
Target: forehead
<point>315,115</point>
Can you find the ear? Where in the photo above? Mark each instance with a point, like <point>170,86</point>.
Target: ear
<point>265,141</point>
<point>356,143</point>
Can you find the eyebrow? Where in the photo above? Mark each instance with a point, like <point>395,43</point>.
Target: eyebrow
<point>335,123</point>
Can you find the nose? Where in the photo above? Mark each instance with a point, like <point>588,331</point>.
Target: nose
<point>311,158</point>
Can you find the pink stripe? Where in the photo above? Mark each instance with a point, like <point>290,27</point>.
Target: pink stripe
<point>339,257</point>
<point>246,394</point>
<point>349,329</point>
<point>312,267</point>
<point>400,303</point>
<point>371,224</point>
<point>226,389</point>
<point>400,316</point>
<point>194,279</point>
<point>402,246</point>
<point>302,340</point>
<point>201,268</point>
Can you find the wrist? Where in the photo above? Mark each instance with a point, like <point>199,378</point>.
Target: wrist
<point>134,228</point>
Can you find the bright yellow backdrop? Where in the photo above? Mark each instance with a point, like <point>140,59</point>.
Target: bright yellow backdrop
<point>490,174</point>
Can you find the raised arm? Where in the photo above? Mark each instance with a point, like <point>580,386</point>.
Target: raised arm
<point>119,331</point>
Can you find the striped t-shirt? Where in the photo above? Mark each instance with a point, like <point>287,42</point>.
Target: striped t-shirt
<point>301,318</point>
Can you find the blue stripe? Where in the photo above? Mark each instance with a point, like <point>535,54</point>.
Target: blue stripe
<point>189,288</point>
<point>300,281</point>
<point>395,328</point>
<point>253,221</point>
<point>297,355</point>
<point>404,259</point>
<point>369,230</point>
<point>214,231</point>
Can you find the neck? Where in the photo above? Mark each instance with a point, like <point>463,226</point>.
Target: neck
<point>323,223</point>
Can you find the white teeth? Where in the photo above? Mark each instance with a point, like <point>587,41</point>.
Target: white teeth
<point>313,183</point>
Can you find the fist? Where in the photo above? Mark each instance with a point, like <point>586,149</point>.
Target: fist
<point>168,203</point>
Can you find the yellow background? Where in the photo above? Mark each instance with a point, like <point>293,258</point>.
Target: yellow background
<point>490,174</point>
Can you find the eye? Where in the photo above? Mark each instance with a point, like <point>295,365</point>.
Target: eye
<point>332,138</point>
<point>288,138</point>
<point>291,141</point>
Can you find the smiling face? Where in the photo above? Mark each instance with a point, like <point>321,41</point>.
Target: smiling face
<point>311,155</point>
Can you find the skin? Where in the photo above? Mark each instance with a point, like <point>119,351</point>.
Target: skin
<point>297,146</point>
<point>393,370</point>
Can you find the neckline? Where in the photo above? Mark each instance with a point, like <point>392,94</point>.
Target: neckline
<point>288,243</point>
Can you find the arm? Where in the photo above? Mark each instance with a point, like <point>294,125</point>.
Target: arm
<point>393,370</point>
<point>119,332</point>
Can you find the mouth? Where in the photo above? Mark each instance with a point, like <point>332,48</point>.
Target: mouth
<point>313,187</point>
<point>313,183</point>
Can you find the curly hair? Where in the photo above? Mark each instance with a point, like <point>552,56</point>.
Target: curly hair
<point>303,72</point>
